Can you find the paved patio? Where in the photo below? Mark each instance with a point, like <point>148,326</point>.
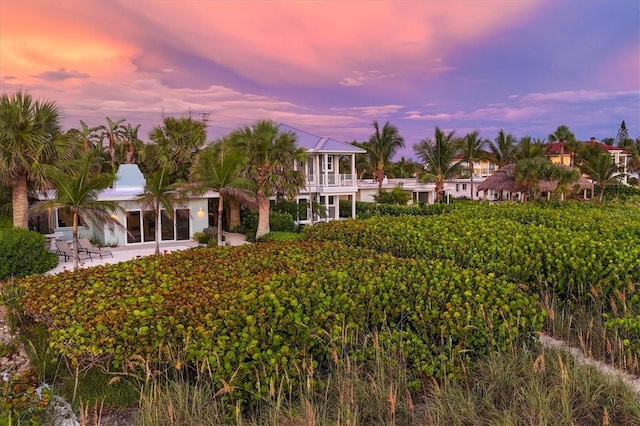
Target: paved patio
<point>121,254</point>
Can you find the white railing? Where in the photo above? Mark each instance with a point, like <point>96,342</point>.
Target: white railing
<point>332,180</point>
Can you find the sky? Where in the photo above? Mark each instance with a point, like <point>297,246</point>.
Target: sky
<point>332,67</point>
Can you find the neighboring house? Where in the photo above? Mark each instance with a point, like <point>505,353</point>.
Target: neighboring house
<point>481,168</point>
<point>330,174</point>
<point>557,154</point>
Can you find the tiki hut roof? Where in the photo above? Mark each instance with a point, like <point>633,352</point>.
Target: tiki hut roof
<point>504,180</point>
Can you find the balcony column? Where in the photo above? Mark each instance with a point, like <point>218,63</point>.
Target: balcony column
<point>353,169</point>
<point>325,170</point>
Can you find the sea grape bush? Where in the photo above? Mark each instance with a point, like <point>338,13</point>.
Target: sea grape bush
<point>575,265</point>
<point>23,252</point>
<point>253,313</point>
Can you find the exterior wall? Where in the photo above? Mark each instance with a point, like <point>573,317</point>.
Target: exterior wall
<point>561,159</point>
<point>112,234</point>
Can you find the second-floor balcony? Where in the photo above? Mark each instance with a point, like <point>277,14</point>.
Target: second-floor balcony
<point>331,180</point>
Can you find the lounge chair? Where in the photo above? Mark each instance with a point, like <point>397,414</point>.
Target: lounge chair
<point>64,249</point>
<point>85,246</point>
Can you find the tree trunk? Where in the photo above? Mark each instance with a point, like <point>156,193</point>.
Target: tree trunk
<point>158,213</point>
<point>439,187</point>
<point>74,241</point>
<point>471,179</point>
<point>234,213</point>
<point>263,216</point>
<point>220,209</point>
<point>20,202</point>
<point>601,197</point>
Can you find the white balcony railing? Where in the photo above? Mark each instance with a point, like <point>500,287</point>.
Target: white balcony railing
<point>332,180</point>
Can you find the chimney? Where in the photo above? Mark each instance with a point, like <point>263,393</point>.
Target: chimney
<point>593,139</point>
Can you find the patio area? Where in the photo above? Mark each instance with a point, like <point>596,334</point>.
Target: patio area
<point>121,254</point>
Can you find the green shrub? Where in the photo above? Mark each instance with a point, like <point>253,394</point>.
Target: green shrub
<point>395,196</point>
<point>23,252</point>
<point>253,312</point>
<point>277,222</point>
<point>280,236</point>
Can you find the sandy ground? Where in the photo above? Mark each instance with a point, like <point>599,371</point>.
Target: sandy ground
<point>121,254</point>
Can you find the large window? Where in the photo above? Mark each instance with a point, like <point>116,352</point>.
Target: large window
<point>134,231</point>
<point>142,226</point>
<point>149,225</point>
<point>168,233</point>
<point>182,224</point>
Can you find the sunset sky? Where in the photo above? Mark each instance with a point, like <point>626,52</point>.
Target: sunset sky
<point>332,67</point>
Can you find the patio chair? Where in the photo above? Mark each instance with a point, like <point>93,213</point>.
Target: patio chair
<point>85,246</point>
<point>64,249</point>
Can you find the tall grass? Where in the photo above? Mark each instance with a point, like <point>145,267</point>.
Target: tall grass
<point>527,386</point>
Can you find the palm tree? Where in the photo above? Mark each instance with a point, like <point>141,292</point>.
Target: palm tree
<point>114,133</point>
<point>601,168</point>
<point>404,168</point>
<point>271,157</point>
<point>160,194</point>
<point>364,163</point>
<point>175,144</point>
<point>503,148</point>
<point>438,158</point>
<point>219,168</point>
<point>383,145</point>
<point>30,139</point>
<point>471,149</point>
<point>568,141</point>
<point>528,148</point>
<point>77,193</point>
<point>530,171</point>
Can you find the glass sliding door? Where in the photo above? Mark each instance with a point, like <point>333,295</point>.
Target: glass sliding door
<point>149,226</point>
<point>167,227</point>
<point>182,224</point>
<point>134,232</point>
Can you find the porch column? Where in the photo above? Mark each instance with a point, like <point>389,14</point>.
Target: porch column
<point>353,206</point>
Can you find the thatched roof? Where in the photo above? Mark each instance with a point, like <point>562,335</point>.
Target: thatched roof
<point>504,180</point>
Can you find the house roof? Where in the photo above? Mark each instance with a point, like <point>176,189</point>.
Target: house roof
<point>315,143</point>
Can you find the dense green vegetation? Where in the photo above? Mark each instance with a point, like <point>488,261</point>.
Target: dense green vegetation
<point>580,258</point>
<point>391,320</point>
<point>255,312</point>
<point>23,252</point>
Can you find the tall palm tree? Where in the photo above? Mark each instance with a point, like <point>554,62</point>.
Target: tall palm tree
<point>174,145</point>
<point>383,145</point>
<point>271,157</point>
<point>77,193</point>
<point>30,139</point>
<point>528,148</point>
<point>159,194</point>
<point>503,148</point>
<point>601,168</point>
<point>221,169</point>
<point>568,140</point>
<point>114,133</point>
<point>471,147</point>
<point>438,158</point>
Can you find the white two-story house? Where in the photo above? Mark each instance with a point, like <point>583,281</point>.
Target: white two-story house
<point>330,174</point>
